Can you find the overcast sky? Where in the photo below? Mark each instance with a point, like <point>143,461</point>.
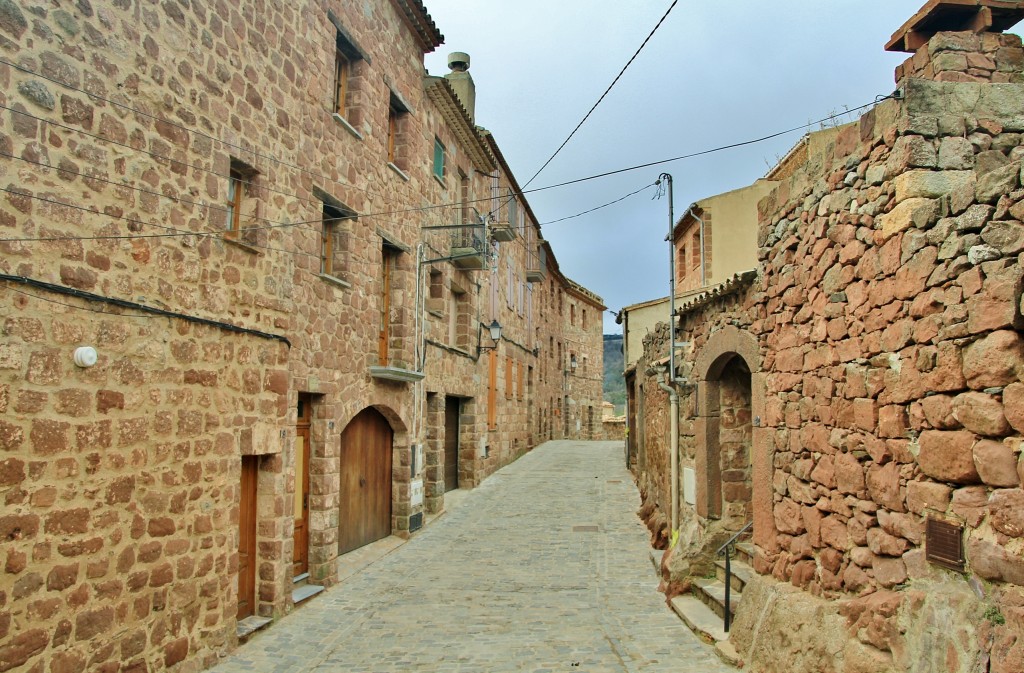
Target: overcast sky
<point>715,73</point>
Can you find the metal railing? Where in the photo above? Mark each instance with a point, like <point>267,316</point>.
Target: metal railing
<point>724,551</point>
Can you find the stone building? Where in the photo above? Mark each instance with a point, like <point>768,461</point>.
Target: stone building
<point>858,398</point>
<point>249,259</point>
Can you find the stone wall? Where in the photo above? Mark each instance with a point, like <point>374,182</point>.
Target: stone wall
<point>887,317</point>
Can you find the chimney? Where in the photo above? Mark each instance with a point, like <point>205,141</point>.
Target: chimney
<point>462,82</point>
<point>962,41</point>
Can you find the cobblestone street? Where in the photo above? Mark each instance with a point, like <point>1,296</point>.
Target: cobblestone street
<point>544,567</point>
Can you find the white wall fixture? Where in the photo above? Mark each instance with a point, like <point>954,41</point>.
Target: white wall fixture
<point>689,486</point>
<point>85,356</point>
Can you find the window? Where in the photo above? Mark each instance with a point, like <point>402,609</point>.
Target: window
<point>240,205</point>
<point>584,318</point>
<point>464,210</point>
<point>695,262</point>
<point>332,239</point>
<point>572,314</point>
<point>508,378</point>
<point>681,262</point>
<point>492,389</point>
<point>346,59</point>
<point>397,117</point>
<point>439,171</point>
<point>513,209</point>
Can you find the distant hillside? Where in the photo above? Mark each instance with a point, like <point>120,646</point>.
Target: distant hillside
<point>614,384</point>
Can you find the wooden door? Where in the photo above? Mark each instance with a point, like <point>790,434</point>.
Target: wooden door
<point>451,443</point>
<point>365,509</point>
<point>300,555</point>
<point>247,538</point>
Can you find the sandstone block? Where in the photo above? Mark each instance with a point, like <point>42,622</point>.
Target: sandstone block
<point>889,571</point>
<point>929,184</point>
<point>1006,507</point>
<point>884,486</point>
<point>996,464</point>
<point>835,533</point>
<point>892,421</point>
<point>925,495</point>
<point>1013,406</point>
<point>938,411</point>
<point>981,413</point>
<point>918,213</point>
<point>993,562</point>
<point>970,504</point>
<point>884,544</point>
<point>996,183</point>
<point>948,456</point>
<point>994,361</point>
<point>789,517</point>
<point>1007,236</point>
<point>956,153</point>
<point>849,474</point>
<point>911,151</point>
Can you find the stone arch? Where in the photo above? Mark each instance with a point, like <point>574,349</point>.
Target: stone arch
<point>725,350</point>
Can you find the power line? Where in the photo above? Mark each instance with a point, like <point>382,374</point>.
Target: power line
<point>606,91</point>
<point>605,205</point>
<point>522,192</point>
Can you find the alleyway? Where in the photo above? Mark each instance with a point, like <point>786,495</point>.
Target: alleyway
<point>503,583</point>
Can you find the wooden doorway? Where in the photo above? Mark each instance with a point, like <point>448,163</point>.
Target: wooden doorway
<point>452,409</point>
<point>300,555</point>
<point>247,537</point>
<point>365,498</point>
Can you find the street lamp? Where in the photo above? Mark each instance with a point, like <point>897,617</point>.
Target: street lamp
<point>572,363</point>
<point>494,329</point>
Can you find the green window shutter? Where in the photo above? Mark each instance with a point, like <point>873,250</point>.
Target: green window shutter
<point>438,158</point>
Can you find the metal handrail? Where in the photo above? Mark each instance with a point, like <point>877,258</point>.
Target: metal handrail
<point>724,549</point>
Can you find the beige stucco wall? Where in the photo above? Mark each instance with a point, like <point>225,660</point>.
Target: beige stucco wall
<point>734,234</point>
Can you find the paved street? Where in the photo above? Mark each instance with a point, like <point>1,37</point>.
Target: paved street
<point>503,583</point>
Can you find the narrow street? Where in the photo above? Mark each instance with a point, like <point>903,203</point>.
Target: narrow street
<point>544,567</point>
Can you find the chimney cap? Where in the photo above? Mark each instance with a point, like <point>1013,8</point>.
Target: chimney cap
<point>458,61</point>
<point>937,16</point>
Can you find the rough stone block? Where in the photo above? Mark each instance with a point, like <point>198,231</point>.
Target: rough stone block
<point>994,361</point>
<point>929,184</point>
<point>948,456</point>
<point>981,413</point>
<point>916,212</point>
<point>996,464</point>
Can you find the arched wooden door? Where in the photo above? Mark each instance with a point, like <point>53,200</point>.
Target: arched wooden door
<point>365,497</point>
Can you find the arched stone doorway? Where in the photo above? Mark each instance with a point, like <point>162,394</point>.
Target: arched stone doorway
<point>734,457</point>
<point>364,511</point>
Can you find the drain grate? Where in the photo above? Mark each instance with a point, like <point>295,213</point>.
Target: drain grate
<point>585,529</point>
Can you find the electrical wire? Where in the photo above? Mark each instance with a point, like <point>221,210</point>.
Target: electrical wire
<point>605,205</point>
<point>522,192</point>
<point>606,91</point>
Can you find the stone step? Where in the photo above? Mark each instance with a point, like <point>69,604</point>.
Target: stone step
<point>745,552</point>
<point>245,628</point>
<point>655,557</point>
<point>711,592</point>
<point>741,573</point>
<point>699,618</point>
<point>300,579</point>
<point>304,592</point>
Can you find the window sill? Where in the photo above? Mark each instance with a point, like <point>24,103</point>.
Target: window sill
<point>440,181</point>
<point>233,240</point>
<point>398,170</point>
<point>348,127</point>
<point>436,314</point>
<point>335,281</point>
<point>396,374</point>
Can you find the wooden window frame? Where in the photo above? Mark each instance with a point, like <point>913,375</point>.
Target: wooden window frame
<point>234,202</point>
<point>389,257</point>
<point>331,218</point>
<point>695,262</point>
<point>342,72</point>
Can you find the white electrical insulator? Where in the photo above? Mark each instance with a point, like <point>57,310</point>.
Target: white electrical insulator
<point>85,356</point>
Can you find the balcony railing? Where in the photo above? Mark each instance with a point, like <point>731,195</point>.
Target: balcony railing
<point>469,247</point>
<point>536,265</point>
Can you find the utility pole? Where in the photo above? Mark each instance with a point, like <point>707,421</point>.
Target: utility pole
<point>670,388</point>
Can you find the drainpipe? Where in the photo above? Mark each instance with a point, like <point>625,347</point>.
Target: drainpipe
<point>671,387</point>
